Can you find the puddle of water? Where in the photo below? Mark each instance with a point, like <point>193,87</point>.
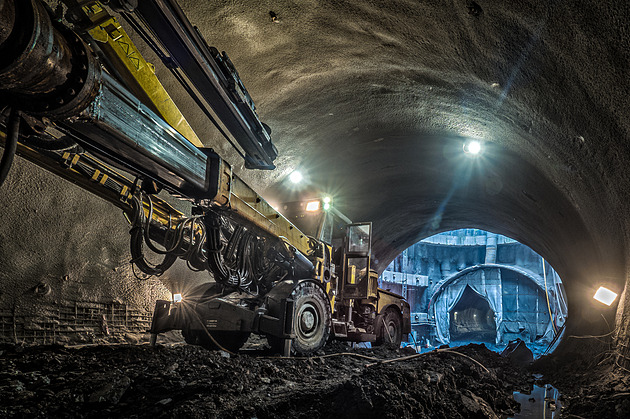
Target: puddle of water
<point>542,403</point>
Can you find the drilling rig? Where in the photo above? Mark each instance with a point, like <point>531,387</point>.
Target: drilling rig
<point>78,99</point>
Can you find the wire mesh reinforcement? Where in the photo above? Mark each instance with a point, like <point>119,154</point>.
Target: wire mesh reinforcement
<point>75,322</point>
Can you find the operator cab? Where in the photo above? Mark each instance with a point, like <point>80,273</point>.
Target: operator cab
<point>317,218</point>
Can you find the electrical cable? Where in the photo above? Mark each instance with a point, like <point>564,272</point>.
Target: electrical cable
<point>237,256</point>
<point>10,146</point>
<point>553,324</point>
<point>593,336</point>
<point>210,335</point>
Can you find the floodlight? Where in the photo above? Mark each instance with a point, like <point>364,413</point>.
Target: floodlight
<point>312,206</point>
<point>472,147</point>
<point>604,295</point>
<point>295,177</point>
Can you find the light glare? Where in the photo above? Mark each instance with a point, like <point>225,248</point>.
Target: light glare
<point>177,298</point>
<point>604,295</point>
<point>327,200</point>
<point>312,206</point>
<point>472,147</point>
<point>295,177</point>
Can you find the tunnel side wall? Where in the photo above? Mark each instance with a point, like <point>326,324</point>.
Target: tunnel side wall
<point>65,274</point>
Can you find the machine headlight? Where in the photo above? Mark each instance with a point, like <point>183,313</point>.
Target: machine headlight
<point>312,206</point>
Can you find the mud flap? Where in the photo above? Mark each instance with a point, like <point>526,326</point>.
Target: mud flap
<point>161,321</point>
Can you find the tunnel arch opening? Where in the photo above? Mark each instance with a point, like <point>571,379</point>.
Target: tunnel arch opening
<point>474,286</point>
<point>472,318</point>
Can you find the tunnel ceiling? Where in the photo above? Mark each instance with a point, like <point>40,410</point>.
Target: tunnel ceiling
<point>372,100</point>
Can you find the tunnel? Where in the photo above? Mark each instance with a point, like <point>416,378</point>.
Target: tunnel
<point>500,289</point>
<point>386,139</point>
<point>375,103</point>
<point>472,319</point>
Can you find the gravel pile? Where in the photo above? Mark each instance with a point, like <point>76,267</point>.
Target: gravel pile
<point>189,381</point>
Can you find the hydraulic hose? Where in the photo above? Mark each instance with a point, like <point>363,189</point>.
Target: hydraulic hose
<point>137,255</point>
<point>11,144</point>
<point>136,247</point>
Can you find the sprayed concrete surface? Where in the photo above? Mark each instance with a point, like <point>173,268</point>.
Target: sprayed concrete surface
<point>372,100</point>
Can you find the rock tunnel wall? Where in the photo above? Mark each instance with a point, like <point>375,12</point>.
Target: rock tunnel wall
<point>65,274</point>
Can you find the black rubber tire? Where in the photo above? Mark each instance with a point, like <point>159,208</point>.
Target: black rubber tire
<point>232,341</point>
<point>312,320</point>
<point>388,328</point>
<point>189,336</point>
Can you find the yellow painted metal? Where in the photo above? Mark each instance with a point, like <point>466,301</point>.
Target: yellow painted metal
<point>372,285</point>
<point>331,295</point>
<point>386,299</point>
<point>64,164</point>
<point>126,60</point>
<point>234,194</point>
<point>246,204</point>
<point>352,275</point>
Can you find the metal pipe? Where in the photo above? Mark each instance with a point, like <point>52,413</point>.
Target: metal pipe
<point>491,248</point>
<point>11,145</point>
<point>35,57</point>
<point>47,70</point>
<point>44,68</point>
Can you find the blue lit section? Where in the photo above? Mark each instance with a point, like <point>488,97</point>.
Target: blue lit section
<point>471,285</point>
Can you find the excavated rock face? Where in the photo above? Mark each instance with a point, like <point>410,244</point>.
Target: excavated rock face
<point>373,101</point>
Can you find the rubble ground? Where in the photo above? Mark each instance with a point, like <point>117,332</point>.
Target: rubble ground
<point>596,385</point>
<point>189,381</point>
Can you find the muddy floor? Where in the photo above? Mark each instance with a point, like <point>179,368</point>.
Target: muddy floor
<point>189,381</point>
<point>594,385</point>
<point>178,380</point>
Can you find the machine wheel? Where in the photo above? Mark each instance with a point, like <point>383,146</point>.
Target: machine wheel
<point>388,328</point>
<point>311,321</point>
<point>232,341</point>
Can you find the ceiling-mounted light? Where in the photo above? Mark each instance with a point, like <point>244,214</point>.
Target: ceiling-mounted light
<point>327,201</point>
<point>295,177</point>
<point>472,147</point>
<point>605,296</point>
